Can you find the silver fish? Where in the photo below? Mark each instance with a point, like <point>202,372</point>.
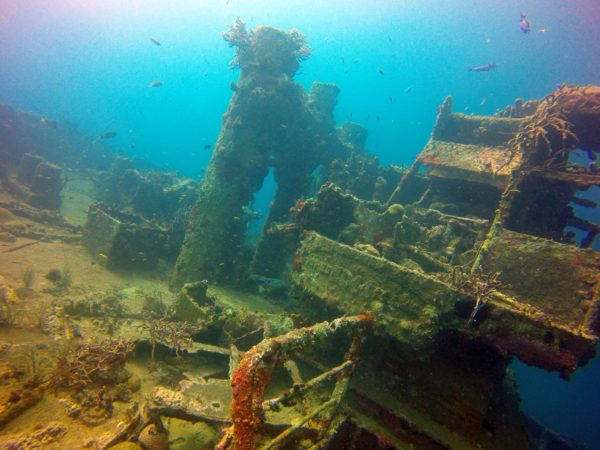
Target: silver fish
<point>484,68</point>
<point>108,135</point>
<point>48,122</point>
<point>524,24</point>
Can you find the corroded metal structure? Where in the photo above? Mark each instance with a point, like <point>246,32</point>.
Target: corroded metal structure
<point>439,273</point>
<point>255,370</point>
<point>477,247</point>
<point>478,255</point>
<point>270,122</point>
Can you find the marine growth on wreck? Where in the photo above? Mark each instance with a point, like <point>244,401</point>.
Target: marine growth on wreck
<point>380,307</point>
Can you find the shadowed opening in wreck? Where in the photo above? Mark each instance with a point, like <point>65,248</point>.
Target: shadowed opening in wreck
<point>563,210</point>
<point>534,386</point>
<point>318,176</point>
<point>257,210</point>
<point>584,202</point>
<point>583,210</point>
<point>460,197</point>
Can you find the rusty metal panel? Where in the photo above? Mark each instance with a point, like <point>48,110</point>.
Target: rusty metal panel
<point>409,305</point>
<point>476,163</point>
<point>118,240</point>
<point>560,280</point>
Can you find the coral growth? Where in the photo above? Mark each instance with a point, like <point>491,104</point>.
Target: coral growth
<point>87,362</point>
<point>175,335</point>
<point>476,285</point>
<point>256,367</point>
<point>62,279</point>
<point>266,48</point>
<point>238,35</point>
<point>8,299</point>
<point>548,136</point>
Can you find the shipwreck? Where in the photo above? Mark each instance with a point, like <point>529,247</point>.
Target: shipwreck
<point>381,306</point>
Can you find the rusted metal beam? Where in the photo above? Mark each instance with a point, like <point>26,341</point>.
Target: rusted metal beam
<point>256,367</point>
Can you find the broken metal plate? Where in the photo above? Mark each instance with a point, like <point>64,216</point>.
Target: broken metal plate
<point>562,281</point>
<point>408,305</point>
<point>197,399</point>
<point>413,307</point>
<point>476,163</point>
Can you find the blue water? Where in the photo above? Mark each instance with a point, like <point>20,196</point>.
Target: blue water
<point>90,64</point>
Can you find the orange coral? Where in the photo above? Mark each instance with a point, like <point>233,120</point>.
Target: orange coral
<point>297,262</point>
<point>430,160</point>
<point>249,383</point>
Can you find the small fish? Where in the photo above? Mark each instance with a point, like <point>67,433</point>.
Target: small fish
<point>542,30</point>
<point>102,256</point>
<point>483,101</point>
<point>154,41</point>
<point>524,24</point>
<point>485,68</point>
<point>408,89</point>
<point>389,38</point>
<point>342,59</point>
<point>19,247</point>
<point>381,71</point>
<point>355,61</point>
<point>108,135</point>
<point>156,83</point>
<point>48,122</point>
<point>586,203</point>
<point>479,305</point>
<point>207,147</point>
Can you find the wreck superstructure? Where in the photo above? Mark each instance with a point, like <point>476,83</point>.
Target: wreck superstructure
<point>460,235</point>
<point>270,122</point>
<point>468,256</point>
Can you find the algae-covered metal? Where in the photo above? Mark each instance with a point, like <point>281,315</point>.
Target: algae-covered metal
<point>118,240</point>
<point>409,305</point>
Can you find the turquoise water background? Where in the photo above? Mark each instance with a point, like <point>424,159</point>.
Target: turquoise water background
<point>89,64</point>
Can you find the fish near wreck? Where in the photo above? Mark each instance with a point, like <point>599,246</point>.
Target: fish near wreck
<point>484,68</point>
<point>47,121</point>
<point>108,135</point>
<point>524,24</point>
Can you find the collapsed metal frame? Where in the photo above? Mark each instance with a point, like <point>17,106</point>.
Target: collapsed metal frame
<point>255,370</point>
<point>250,376</point>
